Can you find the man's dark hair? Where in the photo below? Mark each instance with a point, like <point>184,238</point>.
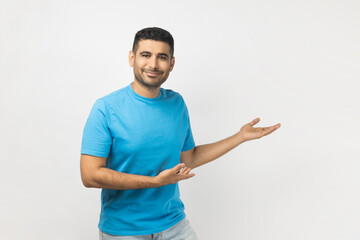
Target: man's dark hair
<point>154,33</point>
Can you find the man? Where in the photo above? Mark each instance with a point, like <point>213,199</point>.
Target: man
<point>137,145</point>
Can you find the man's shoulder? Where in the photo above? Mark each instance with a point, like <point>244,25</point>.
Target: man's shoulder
<point>107,102</point>
<point>114,95</point>
<point>169,93</point>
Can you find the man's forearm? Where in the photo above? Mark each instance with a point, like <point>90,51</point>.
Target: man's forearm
<point>111,179</point>
<point>94,174</point>
<point>206,153</point>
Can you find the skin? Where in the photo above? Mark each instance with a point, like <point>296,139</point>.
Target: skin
<point>152,63</point>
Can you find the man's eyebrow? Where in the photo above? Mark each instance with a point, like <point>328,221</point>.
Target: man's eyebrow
<point>160,54</point>
<point>163,54</point>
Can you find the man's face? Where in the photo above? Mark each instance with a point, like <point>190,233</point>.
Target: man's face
<point>152,63</point>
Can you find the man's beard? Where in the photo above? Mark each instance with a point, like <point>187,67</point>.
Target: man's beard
<point>149,85</point>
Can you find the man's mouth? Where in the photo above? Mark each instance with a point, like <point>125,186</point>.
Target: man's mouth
<point>152,74</point>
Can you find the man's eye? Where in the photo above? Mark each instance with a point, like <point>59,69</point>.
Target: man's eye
<point>162,58</point>
<point>145,55</point>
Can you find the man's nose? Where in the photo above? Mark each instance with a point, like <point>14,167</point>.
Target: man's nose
<point>153,62</point>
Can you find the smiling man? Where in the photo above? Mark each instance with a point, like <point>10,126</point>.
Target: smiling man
<point>137,145</point>
<point>152,61</point>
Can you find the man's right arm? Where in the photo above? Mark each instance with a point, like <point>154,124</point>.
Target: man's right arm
<point>95,174</point>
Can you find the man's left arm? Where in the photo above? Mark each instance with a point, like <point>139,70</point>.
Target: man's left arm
<point>203,154</point>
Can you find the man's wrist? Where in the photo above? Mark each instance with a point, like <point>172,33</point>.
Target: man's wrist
<point>154,182</point>
<point>239,138</point>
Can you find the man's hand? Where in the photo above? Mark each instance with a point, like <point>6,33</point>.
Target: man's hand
<point>173,175</point>
<point>248,132</point>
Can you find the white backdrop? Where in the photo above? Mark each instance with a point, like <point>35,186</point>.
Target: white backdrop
<point>293,62</point>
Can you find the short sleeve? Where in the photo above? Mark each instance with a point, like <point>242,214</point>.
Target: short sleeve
<point>189,142</point>
<point>97,137</point>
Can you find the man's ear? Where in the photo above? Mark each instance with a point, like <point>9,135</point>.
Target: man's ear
<point>172,63</point>
<point>131,58</point>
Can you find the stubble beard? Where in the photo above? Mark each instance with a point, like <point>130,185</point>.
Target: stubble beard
<point>151,86</point>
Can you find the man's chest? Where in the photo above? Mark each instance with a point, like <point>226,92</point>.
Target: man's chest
<point>148,130</point>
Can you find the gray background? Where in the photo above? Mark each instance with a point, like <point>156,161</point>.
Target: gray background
<point>293,62</point>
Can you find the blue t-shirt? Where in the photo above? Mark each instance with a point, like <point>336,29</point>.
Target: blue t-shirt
<point>142,136</point>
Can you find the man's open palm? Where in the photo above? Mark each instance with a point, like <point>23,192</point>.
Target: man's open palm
<point>249,132</point>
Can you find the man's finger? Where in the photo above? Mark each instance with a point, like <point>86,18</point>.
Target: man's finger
<point>255,121</point>
<point>187,176</point>
<point>271,129</point>
<point>182,171</point>
<point>178,167</point>
<point>267,131</point>
<point>187,170</point>
<point>190,175</point>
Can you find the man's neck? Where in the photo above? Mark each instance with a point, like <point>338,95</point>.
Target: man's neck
<point>144,91</point>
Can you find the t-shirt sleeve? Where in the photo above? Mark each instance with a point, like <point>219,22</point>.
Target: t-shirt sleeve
<point>97,137</point>
<point>189,142</point>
